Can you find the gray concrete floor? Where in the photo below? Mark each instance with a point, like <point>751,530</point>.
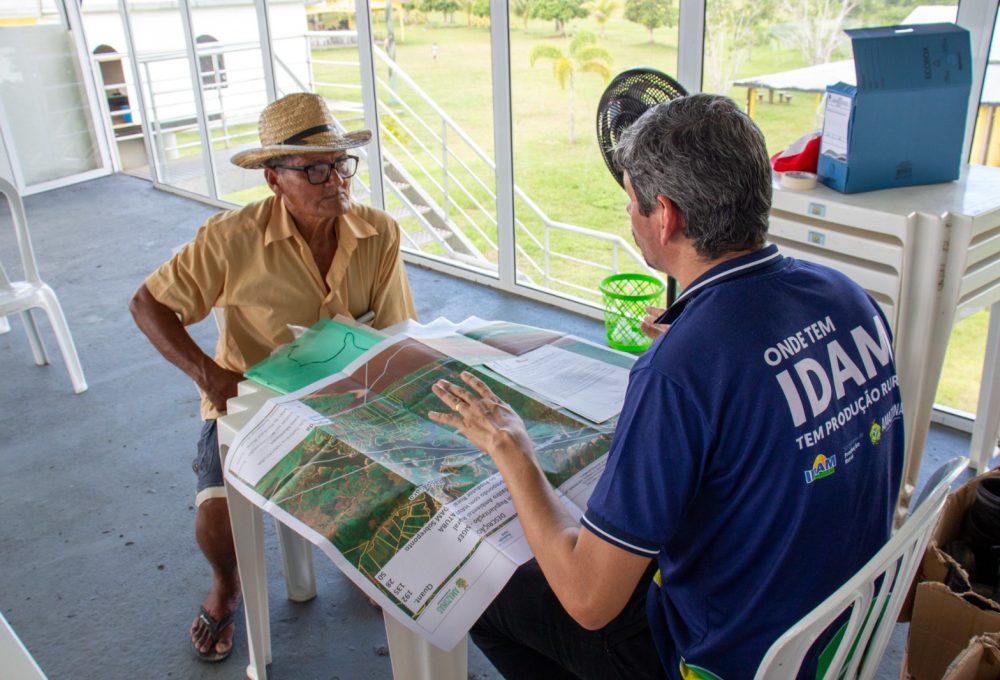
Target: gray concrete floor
<point>99,573</point>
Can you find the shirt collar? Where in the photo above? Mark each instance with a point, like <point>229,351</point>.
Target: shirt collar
<point>725,271</point>
<point>352,223</point>
<point>281,225</point>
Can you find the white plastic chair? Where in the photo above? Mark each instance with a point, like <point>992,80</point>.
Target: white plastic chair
<point>22,296</point>
<point>891,570</point>
<point>15,657</point>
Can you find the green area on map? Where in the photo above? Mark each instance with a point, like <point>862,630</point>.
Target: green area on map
<point>326,348</point>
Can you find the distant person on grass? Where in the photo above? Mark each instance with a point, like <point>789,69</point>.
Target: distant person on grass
<point>758,455</point>
<point>304,254</point>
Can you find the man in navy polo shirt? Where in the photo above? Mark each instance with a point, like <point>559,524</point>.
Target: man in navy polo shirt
<point>758,455</point>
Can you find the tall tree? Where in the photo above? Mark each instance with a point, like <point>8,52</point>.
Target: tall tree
<point>560,11</point>
<point>446,7</point>
<point>466,6</point>
<point>816,26</point>
<point>481,8</point>
<point>523,9</point>
<point>653,13</point>
<point>888,12</point>
<point>733,27</point>
<point>602,10</point>
<point>583,56</point>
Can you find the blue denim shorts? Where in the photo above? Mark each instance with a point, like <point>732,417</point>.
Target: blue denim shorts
<point>208,464</point>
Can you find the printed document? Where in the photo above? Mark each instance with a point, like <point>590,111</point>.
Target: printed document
<point>836,125</point>
<point>594,389</point>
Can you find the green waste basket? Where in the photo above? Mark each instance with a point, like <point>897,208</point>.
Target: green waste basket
<point>626,297</point>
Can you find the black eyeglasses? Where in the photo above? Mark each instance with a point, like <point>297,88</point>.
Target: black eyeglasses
<point>319,173</point>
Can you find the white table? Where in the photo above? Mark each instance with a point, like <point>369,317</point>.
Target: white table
<point>929,255</point>
<point>412,657</point>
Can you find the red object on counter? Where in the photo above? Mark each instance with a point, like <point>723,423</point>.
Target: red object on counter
<point>803,154</point>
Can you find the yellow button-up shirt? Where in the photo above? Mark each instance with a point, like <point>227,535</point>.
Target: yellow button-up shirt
<point>254,265</point>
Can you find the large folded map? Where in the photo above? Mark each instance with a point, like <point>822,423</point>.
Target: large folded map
<point>408,509</point>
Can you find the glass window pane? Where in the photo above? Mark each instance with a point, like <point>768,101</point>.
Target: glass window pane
<point>169,94</point>
<point>779,57</point>
<point>112,66</point>
<point>231,76</point>
<point>986,138</point>
<point>316,52</point>
<point>963,363</point>
<point>571,228</point>
<point>43,95</point>
<point>435,103</point>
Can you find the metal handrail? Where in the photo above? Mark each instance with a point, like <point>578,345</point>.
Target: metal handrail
<point>617,242</point>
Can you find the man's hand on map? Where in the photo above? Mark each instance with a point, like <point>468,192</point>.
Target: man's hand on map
<point>649,326</point>
<point>487,421</point>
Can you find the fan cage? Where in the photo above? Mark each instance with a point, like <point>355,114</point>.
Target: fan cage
<point>629,95</point>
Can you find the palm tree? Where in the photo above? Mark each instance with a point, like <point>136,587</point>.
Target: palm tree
<point>583,56</point>
<point>602,10</point>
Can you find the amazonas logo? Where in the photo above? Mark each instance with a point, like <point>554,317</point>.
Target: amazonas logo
<point>451,595</point>
<point>822,467</point>
<point>446,600</point>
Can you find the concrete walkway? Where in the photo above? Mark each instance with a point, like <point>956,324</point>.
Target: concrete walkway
<point>99,572</point>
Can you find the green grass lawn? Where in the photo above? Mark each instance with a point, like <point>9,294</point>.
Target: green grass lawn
<point>963,363</point>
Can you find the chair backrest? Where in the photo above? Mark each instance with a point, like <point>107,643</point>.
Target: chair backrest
<point>872,614</point>
<point>21,231</point>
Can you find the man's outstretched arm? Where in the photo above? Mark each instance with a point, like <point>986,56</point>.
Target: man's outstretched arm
<point>592,578</point>
<point>168,335</point>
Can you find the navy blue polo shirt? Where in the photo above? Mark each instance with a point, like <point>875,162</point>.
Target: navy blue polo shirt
<point>757,457</point>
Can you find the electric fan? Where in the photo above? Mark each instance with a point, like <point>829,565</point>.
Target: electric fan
<point>629,95</point>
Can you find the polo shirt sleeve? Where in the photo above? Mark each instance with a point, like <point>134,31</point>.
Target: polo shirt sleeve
<point>654,467</point>
<point>392,301</point>
<point>191,282</point>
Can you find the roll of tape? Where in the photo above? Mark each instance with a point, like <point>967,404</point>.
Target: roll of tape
<point>796,180</point>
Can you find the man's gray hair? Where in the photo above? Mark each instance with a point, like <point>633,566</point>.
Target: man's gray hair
<point>710,160</point>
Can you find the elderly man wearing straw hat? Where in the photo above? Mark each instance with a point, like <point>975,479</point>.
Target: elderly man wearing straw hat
<point>304,254</point>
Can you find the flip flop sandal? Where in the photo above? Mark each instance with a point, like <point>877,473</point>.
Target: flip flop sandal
<point>215,629</point>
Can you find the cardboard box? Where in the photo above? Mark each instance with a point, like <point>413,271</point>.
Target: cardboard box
<point>979,661</point>
<point>941,621</point>
<point>904,121</point>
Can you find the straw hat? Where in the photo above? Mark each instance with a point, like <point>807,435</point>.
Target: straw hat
<point>296,124</point>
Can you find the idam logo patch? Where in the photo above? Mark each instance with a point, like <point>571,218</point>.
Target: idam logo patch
<point>875,433</point>
<point>822,467</point>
